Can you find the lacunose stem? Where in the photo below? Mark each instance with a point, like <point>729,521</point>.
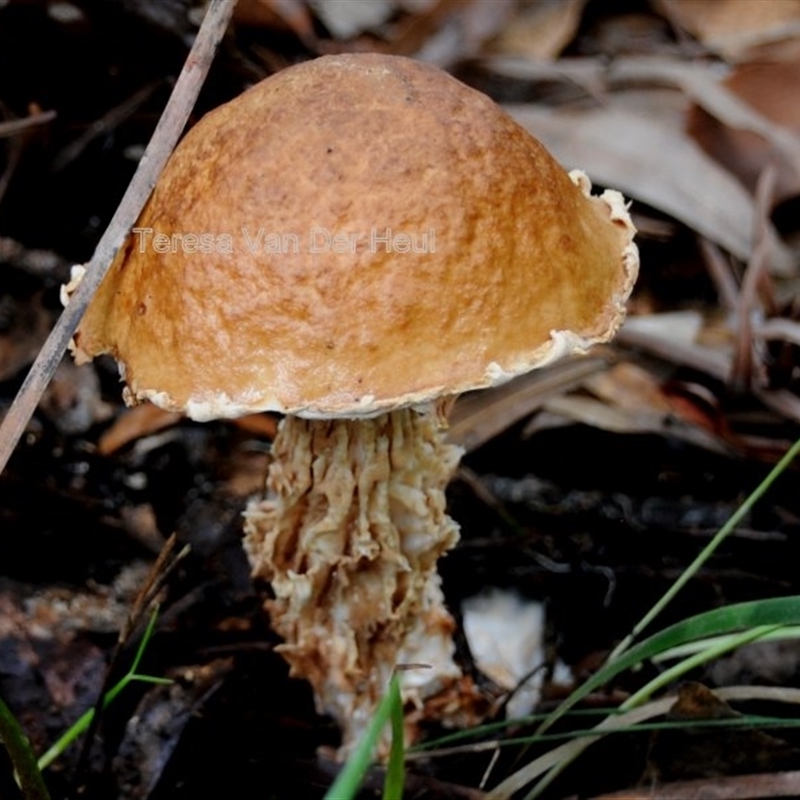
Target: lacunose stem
<point>349,537</point>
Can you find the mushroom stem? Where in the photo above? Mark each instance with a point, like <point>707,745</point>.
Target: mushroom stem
<point>349,537</point>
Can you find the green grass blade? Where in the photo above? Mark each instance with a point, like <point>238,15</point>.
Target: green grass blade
<point>395,769</point>
<point>349,779</point>
<point>782,633</point>
<point>79,727</point>
<point>727,620</point>
<point>748,721</point>
<point>761,617</point>
<point>708,550</point>
<point>613,723</point>
<point>29,776</point>
<point>723,645</point>
<point>713,647</point>
<point>644,694</point>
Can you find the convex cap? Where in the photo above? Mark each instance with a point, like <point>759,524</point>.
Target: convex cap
<point>354,234</point>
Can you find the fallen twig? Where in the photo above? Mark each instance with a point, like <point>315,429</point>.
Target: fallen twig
<point>159,572</point>
<point>742,372</point>
<point>155,157</point>
<point>110,120</point>
<point>14,126</point>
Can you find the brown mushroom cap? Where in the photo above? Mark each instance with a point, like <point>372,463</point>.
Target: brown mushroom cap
<point>499,260</point>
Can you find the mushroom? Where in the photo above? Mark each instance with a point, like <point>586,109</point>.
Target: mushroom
<point>353,242</point>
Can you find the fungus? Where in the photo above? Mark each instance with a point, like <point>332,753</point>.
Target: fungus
<point>353,242</point>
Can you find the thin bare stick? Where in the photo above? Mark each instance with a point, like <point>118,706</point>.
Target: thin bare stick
<point>155,157</point>
<point>110,120</point>
<point>741,377</point>
<point>12,162</point>
<point>157,577</point>
<point>719,269</point>
<point>15,126</point>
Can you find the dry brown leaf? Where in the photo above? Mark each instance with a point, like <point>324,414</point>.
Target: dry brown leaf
<point>697,752</point>
<point>141,524</point>
<point>617,419</point>
<point>757,98</point>
<point>139,421</point>
<point>786,330</point>
<point>771,89</point>
<point>782,401</point>
<point>293,15</point>
<point>158,724</point>
<point>541,30</point>
<point>346,19</point>
<point>629,387</point>
<point>662,335</point>
<point>649,158</point>
<point>597,414</point>
<point>687,410</point>
<point>633,32</point>
<point>563,78</point>
<point>455,30</point>
<point>574,70</point>
<point>733,28</point>
<point>262,425</point>
<point>422,20</point>
<point>480,416</point>
<point>702,84</point>
<point>650,334</point>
